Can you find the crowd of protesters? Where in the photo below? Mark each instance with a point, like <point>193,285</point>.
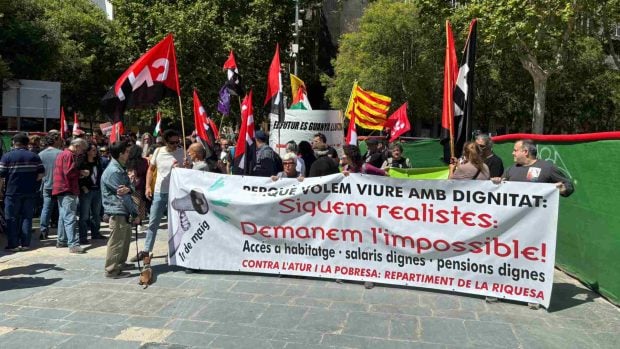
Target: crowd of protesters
<point>77,183</point>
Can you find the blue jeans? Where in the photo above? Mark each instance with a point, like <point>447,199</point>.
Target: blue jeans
<point>67,205</point>
<point>46,210</point>
<point>18,212</point>
<point>158,208</point>
<point>90,213</point>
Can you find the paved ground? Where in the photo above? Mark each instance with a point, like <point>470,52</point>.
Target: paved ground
<point>49,298</point>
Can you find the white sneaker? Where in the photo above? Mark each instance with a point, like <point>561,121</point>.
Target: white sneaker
<point>490,299</point>
<point>533,306</point>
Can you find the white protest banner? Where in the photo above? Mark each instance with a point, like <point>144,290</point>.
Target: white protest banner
<point>465,236</point>
<point>106,128</point>
<point>302,125</point>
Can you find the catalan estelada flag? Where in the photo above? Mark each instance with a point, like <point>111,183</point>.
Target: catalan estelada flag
<point>370,108</point>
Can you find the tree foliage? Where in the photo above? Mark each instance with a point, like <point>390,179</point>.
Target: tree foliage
<point>67,41</point>
<point>559,44</point>
<point>28,49</point>
<point>397,51</point>
<point>205,31</point>
<point>541,64</point>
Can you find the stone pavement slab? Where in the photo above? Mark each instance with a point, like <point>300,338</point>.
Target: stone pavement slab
<point>52,299</point>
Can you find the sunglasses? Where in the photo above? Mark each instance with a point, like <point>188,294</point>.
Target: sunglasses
<point>173,142</point>
<point>288,163</point>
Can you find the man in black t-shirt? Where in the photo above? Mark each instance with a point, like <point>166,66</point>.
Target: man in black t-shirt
<point>374,155</point>
<point>494,162</point>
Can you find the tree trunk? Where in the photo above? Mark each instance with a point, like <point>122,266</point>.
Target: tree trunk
<point>540,98</point>
<point>539,76</point>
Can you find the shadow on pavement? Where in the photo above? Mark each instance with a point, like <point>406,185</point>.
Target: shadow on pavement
<point>22,281</point>
<point>565,296</point>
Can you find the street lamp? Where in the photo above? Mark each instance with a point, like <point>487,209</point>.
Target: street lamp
<point>45,98</point>
<point>295,48</point>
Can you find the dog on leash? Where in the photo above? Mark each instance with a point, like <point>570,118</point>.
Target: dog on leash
<point>146,274</point>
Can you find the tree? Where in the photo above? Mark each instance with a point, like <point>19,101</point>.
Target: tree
<point>561,44</point>
<point>205,31</point>
<point>397,51</point>
<point>67,41</point>
<point>89,47</point>
<point>27,48</point>
<point>584,97</point>
<point>535,31</point>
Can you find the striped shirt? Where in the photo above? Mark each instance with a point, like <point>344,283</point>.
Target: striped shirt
<point>21,168</point>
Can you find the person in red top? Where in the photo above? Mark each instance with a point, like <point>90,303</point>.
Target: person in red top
<point>66,188</point>
<point>354,163</point>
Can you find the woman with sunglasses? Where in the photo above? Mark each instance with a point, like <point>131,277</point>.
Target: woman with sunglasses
<point>289,162</point>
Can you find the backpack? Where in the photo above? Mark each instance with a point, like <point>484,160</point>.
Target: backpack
<point>278,162</point>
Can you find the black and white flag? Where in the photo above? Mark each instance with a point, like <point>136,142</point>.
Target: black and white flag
<point>464,92</point>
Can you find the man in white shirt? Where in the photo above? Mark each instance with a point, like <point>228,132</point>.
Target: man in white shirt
<point>162,161</point>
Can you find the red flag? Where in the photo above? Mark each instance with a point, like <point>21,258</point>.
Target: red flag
<point>274,86</point>
<point>352,134</point>
<point>213,127</point>
<point>245,150</point>
<point>273,79</point>
<point>117,131</point>
<point>64,128</point>
<point>230,62</point>
<point>449,82</point>
<point>76,123</point>
<point>233,82</point>
<point>201,121</point>
<point>157,130</point>
<point>399,122</point>
<point>151,78</point>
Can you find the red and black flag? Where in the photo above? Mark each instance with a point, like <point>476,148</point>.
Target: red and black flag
<point>274,86</point>
<point>151,78</point>
<point>245,150</point>
<point>233,83</point>
<point>204,125</point>
<point>449,81</point>
<point>464,92</point>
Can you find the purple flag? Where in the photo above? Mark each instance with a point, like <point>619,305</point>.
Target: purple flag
<point>223,104</point>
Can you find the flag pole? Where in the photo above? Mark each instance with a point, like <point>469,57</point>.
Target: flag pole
<point>349,103</point>
<point>451,123</point>
<point>350,97</point>
<point>240,111</point>
<point>182,128</point>
<point>221,119</point>
<point>451,104</point>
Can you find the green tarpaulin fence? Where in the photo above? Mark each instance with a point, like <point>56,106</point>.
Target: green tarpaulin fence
<point>420,173</point>
<point>589,220</point>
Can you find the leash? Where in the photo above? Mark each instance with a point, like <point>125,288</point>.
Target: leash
<point>137,249</point>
